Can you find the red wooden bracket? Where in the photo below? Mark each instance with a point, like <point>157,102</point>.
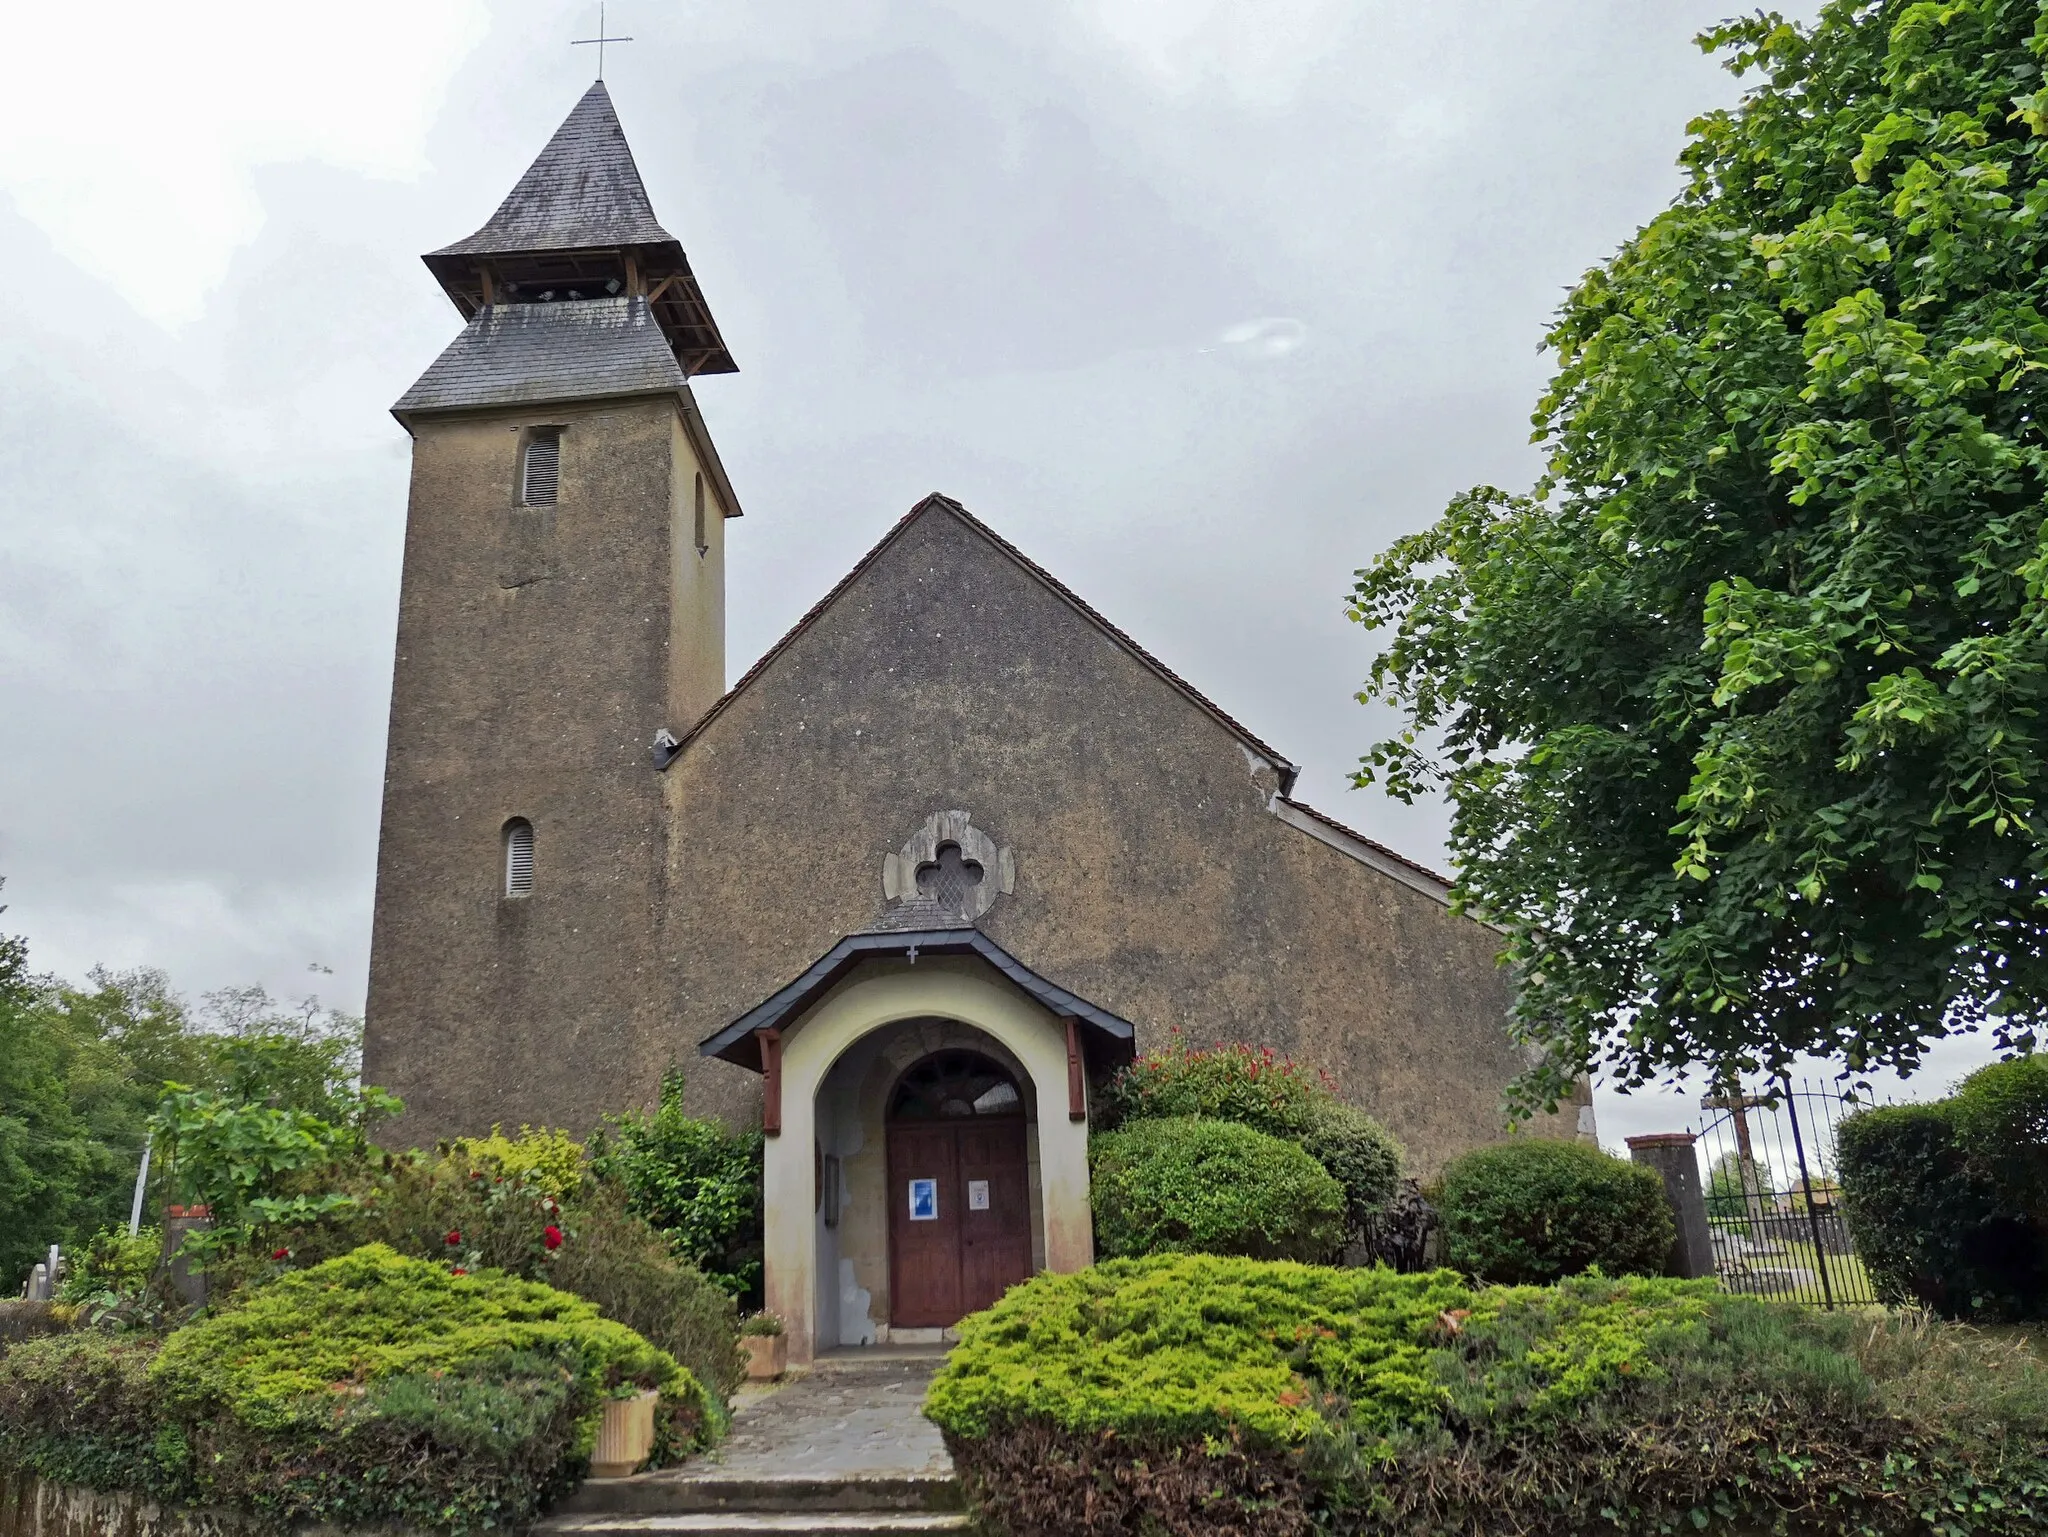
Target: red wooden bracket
<point>771,1073</point>
<point>1077,1083</point>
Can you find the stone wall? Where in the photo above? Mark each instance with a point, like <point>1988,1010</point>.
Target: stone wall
<point>1151,874</point>
<point>539,650</point>
<point>33,1507</point>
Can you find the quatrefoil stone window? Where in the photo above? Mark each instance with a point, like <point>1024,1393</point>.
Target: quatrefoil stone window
<point>951,865</point>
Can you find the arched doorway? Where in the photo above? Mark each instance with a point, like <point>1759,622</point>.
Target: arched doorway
<point>959,1189</point>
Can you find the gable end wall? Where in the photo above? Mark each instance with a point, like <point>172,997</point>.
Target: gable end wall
<point>1153,877</point>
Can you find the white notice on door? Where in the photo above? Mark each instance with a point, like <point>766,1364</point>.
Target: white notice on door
<point>977,1195</point>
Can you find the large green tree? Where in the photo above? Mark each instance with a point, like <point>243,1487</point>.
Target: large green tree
<point>83,1069</point>
<point>1740,710</point>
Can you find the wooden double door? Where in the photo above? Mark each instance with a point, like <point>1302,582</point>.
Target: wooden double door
<point>959,1217</point>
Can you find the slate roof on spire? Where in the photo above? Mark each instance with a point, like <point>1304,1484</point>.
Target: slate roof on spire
<point>577,227</point>
<point>582,191</point>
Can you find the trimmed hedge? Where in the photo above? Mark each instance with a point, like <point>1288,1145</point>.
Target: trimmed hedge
<point>1934,1226</point>
<point>2001,1120</point>
<point>372,1389</point>
<point>1531,1211</point>
<point>1191,1395</point>
<point>1251,1086</point>
<point>1212,1187</point>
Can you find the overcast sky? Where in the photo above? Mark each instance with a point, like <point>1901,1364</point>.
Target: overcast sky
<point>1200,303</point>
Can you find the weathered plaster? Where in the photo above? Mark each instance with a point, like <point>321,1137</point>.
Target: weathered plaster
<point>1152,874</point>
<point>539,649</point>
<point>874,998</point>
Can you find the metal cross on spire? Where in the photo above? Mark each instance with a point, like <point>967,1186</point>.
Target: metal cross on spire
<point>600,40</point>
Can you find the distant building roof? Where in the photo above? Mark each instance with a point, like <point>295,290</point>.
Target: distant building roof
<point>582,191</point>
<point>525,354</point>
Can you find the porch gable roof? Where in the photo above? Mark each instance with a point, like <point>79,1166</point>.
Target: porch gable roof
<point>735,1042</point>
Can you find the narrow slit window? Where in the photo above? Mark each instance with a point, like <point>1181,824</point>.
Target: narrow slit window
<point>703,544</point>
<point>519,858</point>
<point>540,471</point>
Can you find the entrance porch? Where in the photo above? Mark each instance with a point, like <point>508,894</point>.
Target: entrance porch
<point>925,1106</point>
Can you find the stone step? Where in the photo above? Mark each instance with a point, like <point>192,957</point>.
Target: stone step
<point>753,1523</point>
<point>688,1491</point>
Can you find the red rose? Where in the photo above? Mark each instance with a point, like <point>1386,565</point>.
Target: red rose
<point>458,1270</point>
<point>551,1236</point>
<point>280,1254</point>
<point>453,1238</point>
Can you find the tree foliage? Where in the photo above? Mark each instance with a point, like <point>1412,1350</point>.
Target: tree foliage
<point>1740,711</point>
<point>83,1069</point>
<point>694,1180</point>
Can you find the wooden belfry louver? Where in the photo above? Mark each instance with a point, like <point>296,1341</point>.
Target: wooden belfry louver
<point>579,226</point>
<point>541,469</point>
<point>518,857</point>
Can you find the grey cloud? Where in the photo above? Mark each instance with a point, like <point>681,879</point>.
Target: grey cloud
<point>983,252</point>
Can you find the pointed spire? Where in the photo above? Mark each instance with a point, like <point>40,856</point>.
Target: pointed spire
<point>579,227</point>
<point>582,191</point>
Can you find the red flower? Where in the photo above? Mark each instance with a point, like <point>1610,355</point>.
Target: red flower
<point>551,1236</point>
<point>280,1254</point>
<point>458,1270</point>
<point>453,1238</point>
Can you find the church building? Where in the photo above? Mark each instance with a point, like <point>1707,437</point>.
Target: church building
<point>905,895</point>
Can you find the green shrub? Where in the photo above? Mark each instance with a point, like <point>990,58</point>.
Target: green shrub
<point>549,1161</point>
<point>693,1180</point>
<point>1532,1210</point>
<point>1251,1086</point>
<point>1227,1082</point>
<point>1188,1185</point>
<point>2001,1121</point>
<point>1933,1226</point>
<point>376,1388</point>
<point>80,1409</point>
<point>466,1211</point>
<point>1360,1154</point>
<point>114,1263</point>
<point>1186,1395</point>
<point>628,1269</point>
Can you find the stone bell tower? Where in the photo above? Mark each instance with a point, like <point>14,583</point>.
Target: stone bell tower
<point>561,615</point>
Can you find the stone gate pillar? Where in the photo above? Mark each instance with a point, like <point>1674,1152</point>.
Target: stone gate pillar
<point>1671,1154</point>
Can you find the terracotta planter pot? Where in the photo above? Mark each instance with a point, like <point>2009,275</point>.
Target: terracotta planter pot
<point>625,1436</point>
<point>767,1356</point>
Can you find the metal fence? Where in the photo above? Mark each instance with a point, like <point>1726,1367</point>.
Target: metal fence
<point>1767,1160</point>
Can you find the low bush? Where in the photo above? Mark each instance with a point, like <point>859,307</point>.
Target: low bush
<point>548,1160</point>
<point>460,1205</point>
<point>1232,1081</point>
<point>79,1408</point>
<point>375,1388</point>
<point>1934,1226</point>
<point>693,1180</point>
<point>1196,1394</point>
<point>1360,1154</point>
<point>1252,1086</point>
<point>1187,1185</point>
<point>1531,1210</point>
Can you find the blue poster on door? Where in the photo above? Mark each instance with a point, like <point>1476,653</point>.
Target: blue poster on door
<point>924,1200</point>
